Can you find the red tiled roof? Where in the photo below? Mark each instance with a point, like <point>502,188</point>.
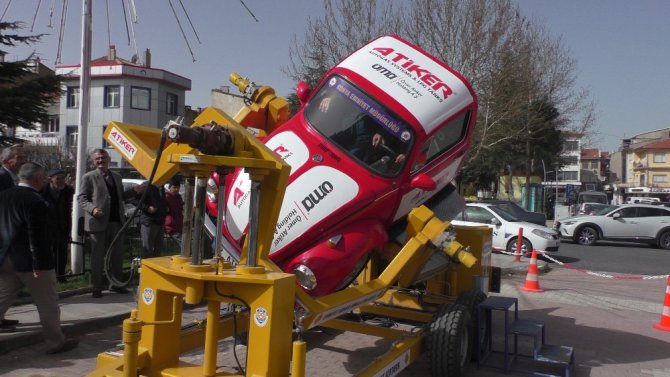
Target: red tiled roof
<point>590,153</point>
<point>662,144</point>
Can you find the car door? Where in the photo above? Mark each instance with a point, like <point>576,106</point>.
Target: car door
<point>651,220</point>
<point>483,216</point>
<point>623,226</point>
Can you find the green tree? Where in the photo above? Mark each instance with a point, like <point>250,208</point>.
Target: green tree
<point>25,95</point>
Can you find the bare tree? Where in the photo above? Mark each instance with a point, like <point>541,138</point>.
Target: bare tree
<point>514,65</point>
<point>345,26</point>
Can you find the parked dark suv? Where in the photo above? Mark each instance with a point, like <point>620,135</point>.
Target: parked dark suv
<point>518,211</point>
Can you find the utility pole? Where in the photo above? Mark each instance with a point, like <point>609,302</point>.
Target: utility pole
<point>77,250</point>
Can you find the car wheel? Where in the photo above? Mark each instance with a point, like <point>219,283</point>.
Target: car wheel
<point>526,247</point>
<point>587,236</point>
<point>664,240</point>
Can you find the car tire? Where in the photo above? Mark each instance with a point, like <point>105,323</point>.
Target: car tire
<point>664,240</point>
<point>526,247</point>
<point>586,236</point>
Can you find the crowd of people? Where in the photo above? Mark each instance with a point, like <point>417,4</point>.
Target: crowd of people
<point>36,208</point>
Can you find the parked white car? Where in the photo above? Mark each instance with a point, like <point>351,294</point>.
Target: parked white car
<point>506,229</point>
<point>627,222</point>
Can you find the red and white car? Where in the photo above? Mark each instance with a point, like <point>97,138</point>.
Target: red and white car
<point>383,131</point>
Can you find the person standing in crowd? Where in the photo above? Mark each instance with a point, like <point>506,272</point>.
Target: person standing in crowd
<point>12,159</point>
<point>174,221</point>
<point>25,257</point>
<point>152,219</point>
<point>102,198</point>
<point>59,196</point>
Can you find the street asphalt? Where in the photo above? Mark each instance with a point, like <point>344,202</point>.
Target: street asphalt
<point>608,322</point>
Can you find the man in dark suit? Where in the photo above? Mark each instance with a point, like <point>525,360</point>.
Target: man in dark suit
<point>101,197</point>
<point>12,158</point>
<point>152,218</point>
<point>59,195</point>
<point>25,258</point>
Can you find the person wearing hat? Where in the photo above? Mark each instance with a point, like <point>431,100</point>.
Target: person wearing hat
<point>59,196</point>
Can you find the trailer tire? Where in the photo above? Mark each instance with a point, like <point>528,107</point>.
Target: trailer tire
<point>471,300</point>
<point>448,341</point>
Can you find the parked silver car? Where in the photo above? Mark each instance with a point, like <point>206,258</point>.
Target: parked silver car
<point>627,222</point>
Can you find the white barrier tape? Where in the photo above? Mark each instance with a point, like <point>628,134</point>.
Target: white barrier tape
<point>594,273</point>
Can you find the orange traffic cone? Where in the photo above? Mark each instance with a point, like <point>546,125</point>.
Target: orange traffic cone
<point>665,315</point>
<point>532,284</point>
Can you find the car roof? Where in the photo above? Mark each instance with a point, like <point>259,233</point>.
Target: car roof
<point>639,205</point>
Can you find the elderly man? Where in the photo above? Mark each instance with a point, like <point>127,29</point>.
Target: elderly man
<point>12,159</point>
<point>25,257</point>
<point>101,198</point>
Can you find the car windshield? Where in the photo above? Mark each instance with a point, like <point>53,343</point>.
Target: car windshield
<point>604,210</point>
<point>592,198</point>
<point>510,207</point>
<point>359,126</point>
<point>504,214</point>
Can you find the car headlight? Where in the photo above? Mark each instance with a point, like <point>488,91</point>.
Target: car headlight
<point>212,190</point>
<point>305,277</point>
<point>543,234</point>
<point>567,222</point>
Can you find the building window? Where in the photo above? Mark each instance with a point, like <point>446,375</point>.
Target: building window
<point>661,178</point>
<point>112,96</point>
<point>570,145</point>
<point>72,96</point>
<point>171,103</point>
<point>71,136</point>
<point>105,144</point>
<point>140,98</point>
<point>570,160</point>
<point>659,156</point>
<point>53,125</point>
<point>567,176</point>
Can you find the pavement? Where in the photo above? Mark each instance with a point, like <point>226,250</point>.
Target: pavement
<point>608,322</point>
<point>80,313</point>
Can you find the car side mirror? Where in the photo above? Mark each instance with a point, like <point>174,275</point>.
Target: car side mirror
<point>495,221</point>
<point>424,182</point>
<point>303,91</point>
<point>616,215</point>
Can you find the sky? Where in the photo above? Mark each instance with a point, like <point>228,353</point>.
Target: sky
<point>621,47</point>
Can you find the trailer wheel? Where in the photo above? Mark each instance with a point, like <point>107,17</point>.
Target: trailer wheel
<point>448,342</point>
<point>471,300</point>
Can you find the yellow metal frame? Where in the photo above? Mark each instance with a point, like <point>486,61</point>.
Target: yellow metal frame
<point>271,296</point>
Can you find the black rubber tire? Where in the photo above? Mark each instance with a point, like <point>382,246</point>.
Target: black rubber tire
<point>526,247</point>
<point>471,300</point>
<point>449,341</point>
<point>586,236</point>
<point>664,240</point>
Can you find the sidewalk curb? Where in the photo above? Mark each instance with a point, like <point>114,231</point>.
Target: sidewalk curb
<point>20,339</point>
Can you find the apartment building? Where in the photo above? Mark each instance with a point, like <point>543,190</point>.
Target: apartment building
<point>130,91</point>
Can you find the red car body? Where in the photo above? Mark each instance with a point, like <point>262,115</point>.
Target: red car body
<point>339,201</point>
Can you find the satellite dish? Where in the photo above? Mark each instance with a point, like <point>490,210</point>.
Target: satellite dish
<point>134,59</point>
